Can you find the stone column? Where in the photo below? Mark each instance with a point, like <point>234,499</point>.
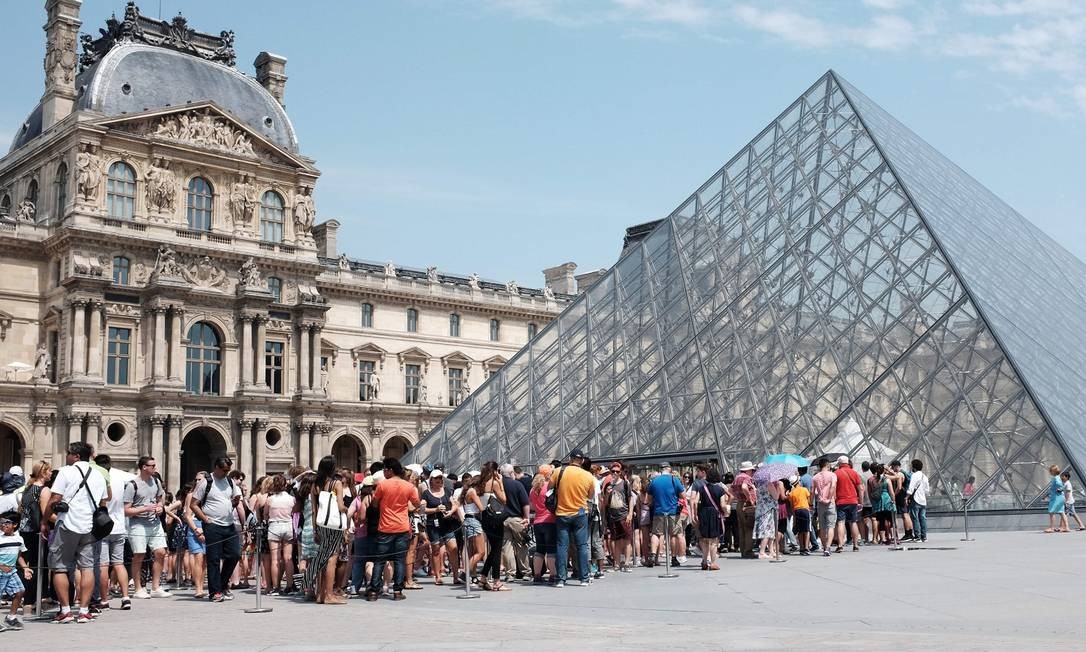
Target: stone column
<point>303,358</point>
<point>94,432</point>
<point>56,435</point>
<point>79,338</point>
<point>94,366</point>
<point>177,352</point>
<point>304,440</point>
<point>245,351</point>
<point>261,338</point>
<point>315,364</point>
<point>325,437</point>
<point>260,459</point>
<point>75,427</point>
<point>157,451</point>
<point>39,443</point>
<point>160,343</point>
<point>244,462</point>
<point>171,430</point>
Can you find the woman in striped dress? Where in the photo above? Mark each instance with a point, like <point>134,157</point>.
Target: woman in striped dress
<point>320,575</point>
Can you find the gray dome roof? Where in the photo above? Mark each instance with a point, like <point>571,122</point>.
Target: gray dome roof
<point>155,78</point>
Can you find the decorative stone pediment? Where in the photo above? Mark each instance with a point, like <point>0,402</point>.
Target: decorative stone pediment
<point>369,351</point>
<point>455,359</point>
<point>414,355</point>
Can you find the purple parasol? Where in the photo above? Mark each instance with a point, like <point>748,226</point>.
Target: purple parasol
<point>773,472</point>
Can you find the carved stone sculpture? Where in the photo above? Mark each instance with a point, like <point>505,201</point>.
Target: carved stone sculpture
<point>243,204</point>
<point>203,130</point>
<point>390,269</point>
<point>161,187</point>
<point>166,264</point>
<point>431,274</point>
<point>422,394</point>
<point>60,60</point>
<point>204,273</point>
<point>304,211</point>
<point>249,274</point>
<point>473,281</point>
<point>25,211</point>
<point>548,293</point>
<point>344,263</point>
<point>88,174</point>
<point>375,386</point>
<point>43,362</point>
<point>512,288</point>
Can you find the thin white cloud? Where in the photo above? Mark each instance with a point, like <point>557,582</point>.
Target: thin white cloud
<point>785,24</point>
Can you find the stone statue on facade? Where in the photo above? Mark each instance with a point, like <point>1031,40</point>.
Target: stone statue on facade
<point>204,273</point>
<point>161,187</point>
<point>423,400</point>
<point>390,269</point>
<point>60,60</point>
<point>25,211</point>
<point>304,211</point>
<point>375,386</point>
<point>166,264</point>
<point>548,293</point>
<point>431,274</point>
<point>473,281</point>
<point>344,263</point>
<point>43,363</point>
<point>249,274</point>
<point>512,288</point>
<point>88,174</point>
<point>242,204</point>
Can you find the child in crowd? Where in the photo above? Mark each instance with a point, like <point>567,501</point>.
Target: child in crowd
<point>801,515</point>
<point>11,545</point>
<point>1069,500</point>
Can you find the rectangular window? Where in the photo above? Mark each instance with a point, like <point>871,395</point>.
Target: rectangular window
<point>495,330</point>
<point>532,330</point>
<point>117,355</point>
<point>367,315</point>
<point>454,325</point>
<point>366,369</point>
<point>412,320</point>
<point>273,366</point>
<point>412,383</point>
<point>456,386</point>
<point>120,270</point>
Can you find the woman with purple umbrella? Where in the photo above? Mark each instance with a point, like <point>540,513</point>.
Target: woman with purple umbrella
<point>770,490</point>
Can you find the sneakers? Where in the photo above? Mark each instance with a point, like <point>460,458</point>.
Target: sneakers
<point>83,617</point>
<point>598,575</point>
<point>11,622</point>
<point>560,584</point>
<point>398,595</point>
<point>227,595</point>
<point>681,559</point>
<point>161,593</point>
<point>217,597</point>
<point>142,594</point>
<point>675,561</point>
<point>63,618</point>
<point>126,604</point>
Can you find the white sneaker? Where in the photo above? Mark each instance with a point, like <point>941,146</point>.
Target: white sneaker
<point>142,594</point>
<point>161,593</point>
<point>682,559</point>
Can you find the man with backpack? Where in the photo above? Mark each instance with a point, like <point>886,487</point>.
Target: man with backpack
<point>143,504</point>
<point>77,492</point>
<point>213,501</point>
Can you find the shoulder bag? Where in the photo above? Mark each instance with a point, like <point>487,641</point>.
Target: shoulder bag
<point>328,512</point>
<point>550,501</point>
<point>101,523</point>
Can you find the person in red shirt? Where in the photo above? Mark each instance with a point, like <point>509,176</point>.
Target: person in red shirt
<point>850,493</point>
<point>394,497</point>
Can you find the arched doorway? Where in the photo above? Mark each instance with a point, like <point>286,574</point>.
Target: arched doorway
<point>396,447</point>
<point>349,453</point>
<point>199,449</point>
<point>11,448</point>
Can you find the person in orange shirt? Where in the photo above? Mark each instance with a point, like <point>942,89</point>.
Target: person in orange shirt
<point>573,486</point>
<point>801,514</point>
<point>394,497</point>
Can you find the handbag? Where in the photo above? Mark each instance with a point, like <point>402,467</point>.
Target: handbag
<point>720,514</point>
<point>328,513</point>
<point>550,501</point>
<point>101,523</point>
<point>494,506</point>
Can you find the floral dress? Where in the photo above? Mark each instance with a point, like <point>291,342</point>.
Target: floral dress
<point>309,546</point>
<point>765,513</point>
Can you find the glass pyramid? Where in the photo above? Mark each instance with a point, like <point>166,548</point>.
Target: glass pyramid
<point>838,287</point>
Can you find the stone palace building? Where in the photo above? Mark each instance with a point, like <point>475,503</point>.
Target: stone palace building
<point>168,292</point>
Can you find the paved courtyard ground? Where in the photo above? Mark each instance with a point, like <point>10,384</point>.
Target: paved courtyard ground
<point>1003,591</point>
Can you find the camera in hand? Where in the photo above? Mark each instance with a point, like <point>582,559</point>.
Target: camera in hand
<point>60,507</point>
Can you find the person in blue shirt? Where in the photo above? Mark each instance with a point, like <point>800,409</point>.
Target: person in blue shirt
<point>807,482</point>
<point>664,491</point>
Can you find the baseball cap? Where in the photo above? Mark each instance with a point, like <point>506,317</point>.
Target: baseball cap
<point>16,470</point>
<point>842,460</point>
<point>576,453</point>
<point>414,468</point>
<point>437,473</point>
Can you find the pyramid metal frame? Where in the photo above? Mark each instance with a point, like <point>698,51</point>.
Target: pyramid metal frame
<point>799,301</point>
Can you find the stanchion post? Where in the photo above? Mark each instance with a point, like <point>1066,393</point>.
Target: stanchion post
<point>467,594</point>
<point>667,549</point>
<point>965,515</point>
<point>43,549</point>
<point>258,609</point>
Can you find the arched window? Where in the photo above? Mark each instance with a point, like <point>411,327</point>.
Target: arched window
<point>204,359</point>
<point>61,187</point>
<point>5,205</point>
<point>120,270</point>
<point>275,286</point>
<point>198,204</point>
<point>412,320</point>
<point>121,191</point>
<point>32,192</point>
<point>271,217</point>
<point>454,325</point>
<point>367,315</point>
<point>495,330</point>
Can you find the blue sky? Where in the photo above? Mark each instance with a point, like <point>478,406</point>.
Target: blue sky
<point>505,136</point>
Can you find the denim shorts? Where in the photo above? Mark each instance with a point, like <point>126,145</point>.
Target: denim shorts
<point>1069,509</point>
<point>848,514</point>
<point>472,526</point>
<point>195,546</point>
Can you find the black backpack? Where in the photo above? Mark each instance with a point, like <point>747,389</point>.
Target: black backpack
<point>30,510</point>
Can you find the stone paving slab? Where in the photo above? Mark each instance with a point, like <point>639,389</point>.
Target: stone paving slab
<point>1003,591</point>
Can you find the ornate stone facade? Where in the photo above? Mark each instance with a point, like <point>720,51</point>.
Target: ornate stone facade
<point>173,295</point>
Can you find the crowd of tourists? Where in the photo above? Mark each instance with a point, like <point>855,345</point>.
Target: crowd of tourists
<point>106,537</point>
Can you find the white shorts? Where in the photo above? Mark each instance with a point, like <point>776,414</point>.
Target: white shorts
<point>145,535</point>
<point>280,531</point>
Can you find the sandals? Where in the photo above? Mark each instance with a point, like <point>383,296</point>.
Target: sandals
<point>438,582</point>
<point>412,587</point>
<point>1048,530</point>
<point>499,587</point>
